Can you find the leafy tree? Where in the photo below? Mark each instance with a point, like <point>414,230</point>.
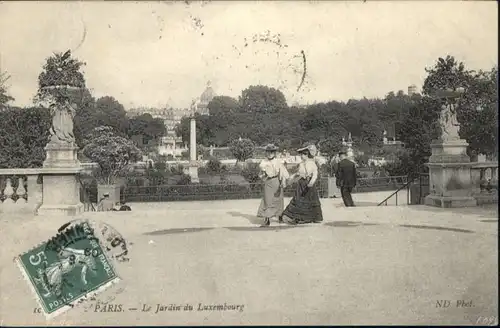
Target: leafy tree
<point>85,119</point>
<point>222,110</point>
<point>4,96</point>
<point>24,132</point>
<point>331,146</point>
<point>446,73</point>
<point>110,112</point>
<point>262,99</point>
<point>148,127</point>
<point>242,149</point>
<point>111,152</point>
<point>204,130</point>
<point>477,112</point>
<point>418,130</point>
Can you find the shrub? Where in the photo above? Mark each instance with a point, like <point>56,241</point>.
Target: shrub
<point>214,166</point>
<point>185,179</point>
<point>251,173</point>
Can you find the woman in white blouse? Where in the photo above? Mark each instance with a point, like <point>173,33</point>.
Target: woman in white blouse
<point>274,175</point>
<point>305,206</point>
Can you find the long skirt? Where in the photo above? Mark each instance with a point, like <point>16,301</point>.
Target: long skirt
<point>305,206</point>
<point>272,204</point>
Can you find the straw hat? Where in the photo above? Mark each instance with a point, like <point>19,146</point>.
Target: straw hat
<point>311,148</point>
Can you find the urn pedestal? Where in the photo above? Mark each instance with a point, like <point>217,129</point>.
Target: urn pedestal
<point>61,155</point>
<point>61,187</point>
<point>450,181</point>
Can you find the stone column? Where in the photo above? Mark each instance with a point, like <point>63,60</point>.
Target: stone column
<point>450,180</point>
<point>192,140</point>
<point>193,163</point>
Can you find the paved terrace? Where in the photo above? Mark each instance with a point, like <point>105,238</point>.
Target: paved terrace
<point>363,265</point>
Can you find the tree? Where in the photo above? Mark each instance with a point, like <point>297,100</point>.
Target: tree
<point>478,113</point>
<point>4,96</point>
<point>477,110</point>
<point>111,152</point>
<point>418,130</point>
<point>446,73</point>
<point>204,130</point>
<point>242,149</point>
<point>262,99</point>
<point>222,119</point>
<point>85,119</point>
<point>24,132</point>
<point>151,129</point>
<point>329,148</point>
<point>110,112</point>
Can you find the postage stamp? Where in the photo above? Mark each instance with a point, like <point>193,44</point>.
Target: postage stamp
<point>67,268</point>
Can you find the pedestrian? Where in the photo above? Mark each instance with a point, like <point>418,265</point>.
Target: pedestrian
<point>305,206</point>
<point>274,175</point>
<point>105,204</point>
<point>346,177</point>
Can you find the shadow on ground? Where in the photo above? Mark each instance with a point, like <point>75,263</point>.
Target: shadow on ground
<point>489,211</point>
<point>253,219</point>
<point>435,228</point>
<point>174,231</point>
<point>346,224</point>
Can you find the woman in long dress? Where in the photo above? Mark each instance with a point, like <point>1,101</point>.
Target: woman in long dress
<point>305,206</point>
<point>274,174</point>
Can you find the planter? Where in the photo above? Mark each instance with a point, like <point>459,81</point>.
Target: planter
<point>112,190</point>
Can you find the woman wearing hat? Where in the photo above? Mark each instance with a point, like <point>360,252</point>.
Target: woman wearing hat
<point>274,175</point>
<point>305,206</point>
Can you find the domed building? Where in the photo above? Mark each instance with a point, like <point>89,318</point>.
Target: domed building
<point>201,103</point>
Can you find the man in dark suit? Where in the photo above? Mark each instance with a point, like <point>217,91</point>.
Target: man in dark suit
<point>346,177</point>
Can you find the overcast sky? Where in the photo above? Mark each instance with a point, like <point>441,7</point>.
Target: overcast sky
<point>152,53</point>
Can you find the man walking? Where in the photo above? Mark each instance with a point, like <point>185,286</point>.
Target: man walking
<point>346,177</point>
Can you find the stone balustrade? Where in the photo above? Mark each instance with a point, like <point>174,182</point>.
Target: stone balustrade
<point>20,190</point>
<point>484,179</point>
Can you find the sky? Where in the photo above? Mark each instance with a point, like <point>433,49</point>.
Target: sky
<point>155,53</point>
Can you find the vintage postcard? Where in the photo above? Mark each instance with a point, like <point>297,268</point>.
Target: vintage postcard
<point>241,163</point>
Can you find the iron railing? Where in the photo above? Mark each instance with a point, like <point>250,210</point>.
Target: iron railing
<point>85,197</point>
<point>423,181</point>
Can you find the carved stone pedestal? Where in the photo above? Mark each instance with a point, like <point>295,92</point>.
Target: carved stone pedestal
<point>193,171</point>
<point>61,192</point>
<point>61,188</point>
<point>450,175</point>
<point>61,155</point>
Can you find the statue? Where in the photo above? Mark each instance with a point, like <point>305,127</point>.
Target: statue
<point>449,123</point>
<point>63,111</point>
<point>349,139</point>
<point>62,123</point>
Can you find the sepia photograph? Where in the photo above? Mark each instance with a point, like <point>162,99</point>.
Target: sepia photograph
<point>279,163</point>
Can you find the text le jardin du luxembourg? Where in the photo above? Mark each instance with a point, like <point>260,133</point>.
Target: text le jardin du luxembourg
<point>158,308</point>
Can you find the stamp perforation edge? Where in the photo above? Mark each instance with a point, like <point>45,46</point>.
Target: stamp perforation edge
<point>104,286</point>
